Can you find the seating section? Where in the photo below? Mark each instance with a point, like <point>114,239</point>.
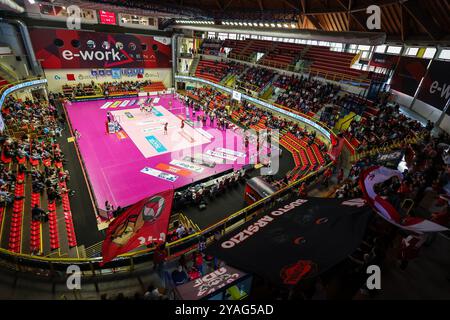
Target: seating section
<point>3,82</point>
<point>307,156</point>
<point>35,234</point>
<point>283,55</point>
<point>40,180</point>
<point>216,71</point>
<point>324,60</point>
<point>155,86</point>
<point>68,217</point>
<point>53,226</point>
<point>15,234</point>
<point>78,90</point>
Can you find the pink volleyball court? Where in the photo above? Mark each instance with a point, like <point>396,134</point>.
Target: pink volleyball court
<point>142,160</point>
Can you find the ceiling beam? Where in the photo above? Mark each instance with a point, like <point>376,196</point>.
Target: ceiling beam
<point>403,24</point>
<point>260,5</point>
<point>422,19</point>
<point>315,22</point>
<point>219,5</point>
<point>290,5</point>
<point>227,5</point>
<point>303,5</point>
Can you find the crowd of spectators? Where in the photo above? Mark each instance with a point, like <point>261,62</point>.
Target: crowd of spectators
<point>105,88</point>
<point>123,86</point>
<point>255,78</point>
<point>305,94</point>
<point>385,128</point>
<point>211,46</point>
<point>40,125</point>
<point>222,69</point>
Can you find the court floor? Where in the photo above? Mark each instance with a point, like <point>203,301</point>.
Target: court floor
<point>146,130</point>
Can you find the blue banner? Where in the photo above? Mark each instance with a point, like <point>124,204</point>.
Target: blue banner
<point>156,144</point>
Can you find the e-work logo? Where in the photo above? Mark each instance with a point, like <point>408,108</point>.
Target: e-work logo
<point>374,20</point>
<point>443,91</point>
<point>91,55</point>
<point>73,281</point>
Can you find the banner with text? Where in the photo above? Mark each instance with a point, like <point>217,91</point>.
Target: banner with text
<point>72,49</point>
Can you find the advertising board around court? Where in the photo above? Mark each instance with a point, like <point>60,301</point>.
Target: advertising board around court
<point>172,169</point>
<point>187,165</point>
<point>159,174</point>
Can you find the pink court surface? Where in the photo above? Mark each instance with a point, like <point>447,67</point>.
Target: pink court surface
<point>142,160</point>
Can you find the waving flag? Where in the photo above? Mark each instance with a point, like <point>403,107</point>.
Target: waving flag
<point>375,175</point>
<point>141,224</point>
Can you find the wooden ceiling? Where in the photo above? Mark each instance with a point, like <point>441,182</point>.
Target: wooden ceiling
<point>401,20</point>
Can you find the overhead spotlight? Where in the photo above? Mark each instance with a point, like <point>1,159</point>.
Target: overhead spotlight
<point>261,24</point>
<point>285,25</point>
<point>31,1</point>
<point>240,23</point>
<point>279,25</point>
<point>245,23</point>
<point>293,25</point>
<point>255,24</point>
<point>266,24</point>
<point>272,25</point>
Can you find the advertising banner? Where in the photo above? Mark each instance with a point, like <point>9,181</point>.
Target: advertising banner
<point>435,89</point>
<point>74,49</point>
<point>407,76</point>
<point>187,165</point>
<point>159,174</point>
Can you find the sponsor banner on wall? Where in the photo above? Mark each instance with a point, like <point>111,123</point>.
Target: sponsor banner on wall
<point>142,224</point>
<point>172,169</point>
<point>435,89</point>
<point>159,174</point>
<point>383,60</point>
<point>407,75</point>
<point>116,74</point>
<point>209,283</point>
<point>187,165</point>
<point>74,49</point>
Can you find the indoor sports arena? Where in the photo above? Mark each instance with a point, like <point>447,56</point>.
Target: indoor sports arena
<point>224,150</point>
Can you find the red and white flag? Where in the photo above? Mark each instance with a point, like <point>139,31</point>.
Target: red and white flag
<point>377,174</point>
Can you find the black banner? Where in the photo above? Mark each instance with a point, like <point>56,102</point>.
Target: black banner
<point>298,239</point>
<point>408,74</point>
<point>383,60</point>
<point>435,88</point>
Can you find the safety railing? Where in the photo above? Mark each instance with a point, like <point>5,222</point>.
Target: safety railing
<point>52,267</point>
<point>56,267</point>
<point>329,75</point>
<point>9,88</point>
